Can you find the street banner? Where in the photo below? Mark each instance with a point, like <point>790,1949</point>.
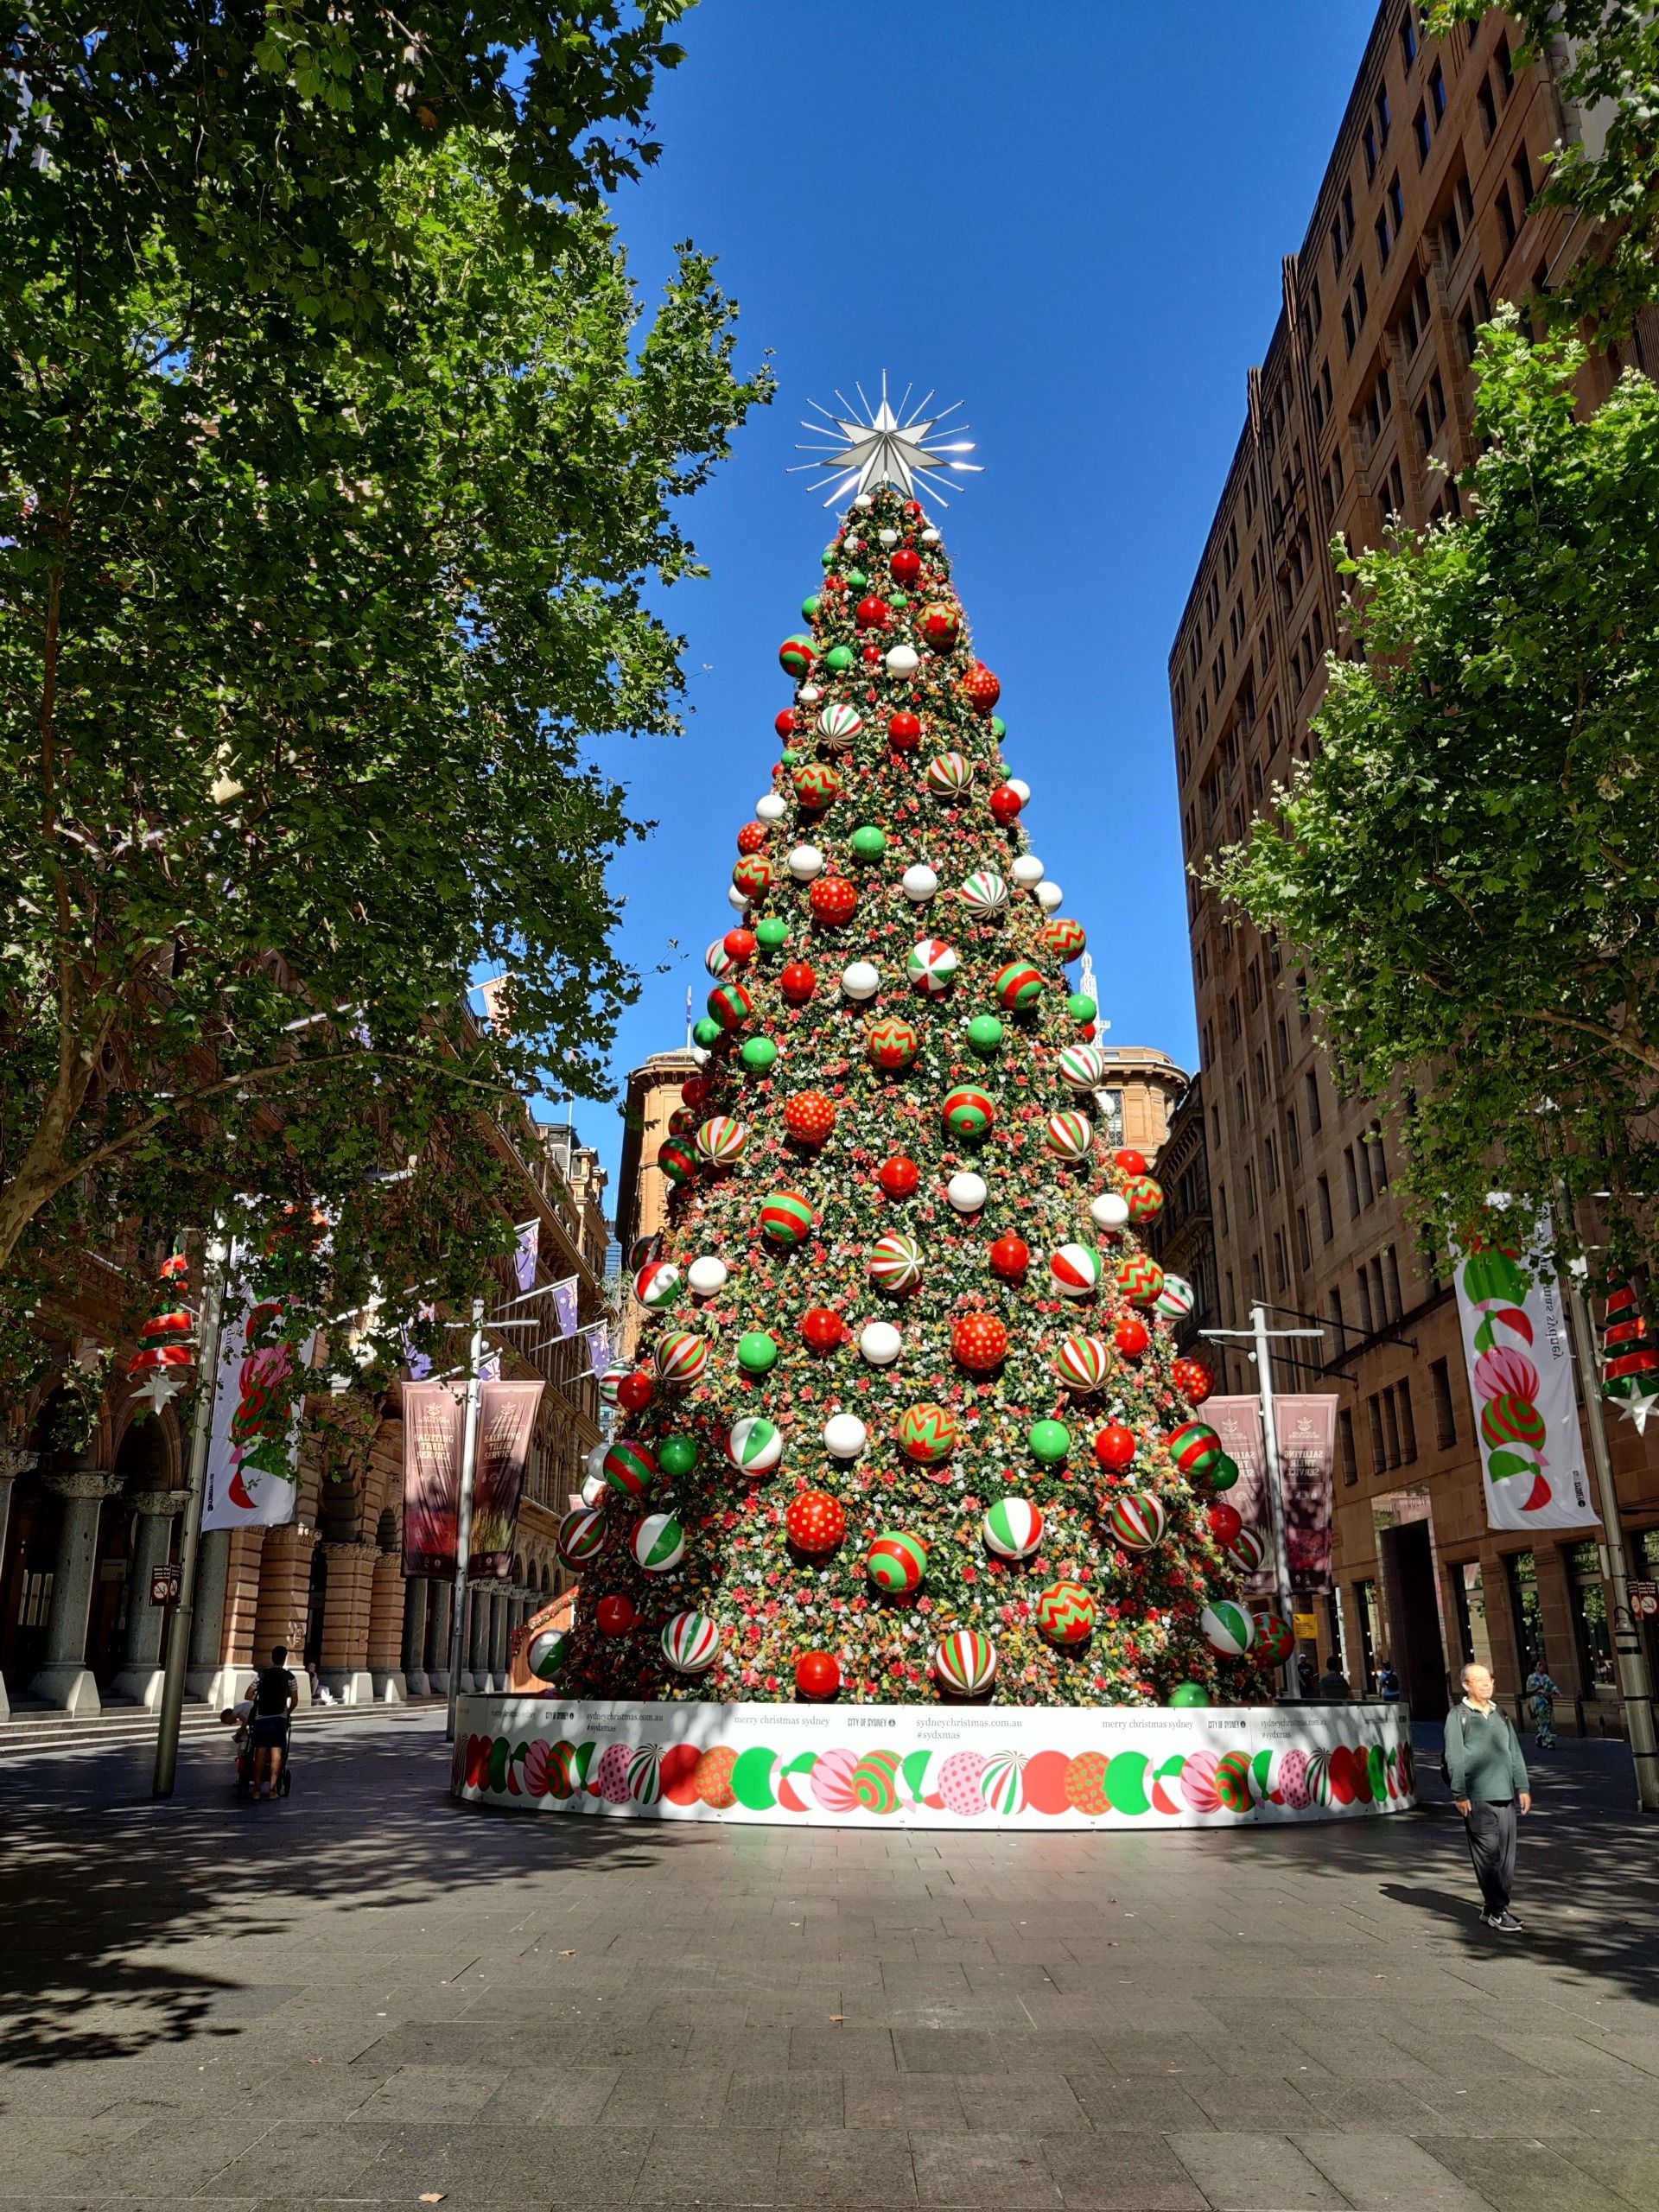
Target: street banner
<point>506,1427</point>
<point>433,1414</point>
<point>1307,1437</point>
<point>259,1394</point>
<point>1515,1342</point>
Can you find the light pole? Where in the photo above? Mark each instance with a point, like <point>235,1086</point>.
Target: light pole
<point>464,1514</point>
<point>178,1642</point>
<point>1259,1336</point>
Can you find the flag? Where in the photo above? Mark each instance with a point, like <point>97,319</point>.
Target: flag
<point>565,1308</point>
<point>524,1258</point>
<point>599,1348</point>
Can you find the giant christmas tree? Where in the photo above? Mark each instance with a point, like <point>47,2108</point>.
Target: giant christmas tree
<point>907,1421</point>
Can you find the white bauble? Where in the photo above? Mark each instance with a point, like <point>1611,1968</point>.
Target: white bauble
<point>966,1192</point>
<point>903,660</point>
<point>594,1463</point>
<point>865,499</point>
<point>1019,784</point>
<point>1049,895</point>
<point>844,1436</point>
<point>879,1343</point>
<point>736,898</point>
<point>852,545</point>
<point>772,808</point>
<point>806,862</point>
<point>809,695</point>
<point>595,1490</point>
<point>930,538</point>
<point>1026,869</point>
<point>860,979</point>
<point>919,884</point>
<point>699,1055</point>
<point>889,536</point>
<point>1109,1210</point>
<point>707,1274</point>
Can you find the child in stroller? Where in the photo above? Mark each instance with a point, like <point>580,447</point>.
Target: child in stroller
<point>240,1717</point>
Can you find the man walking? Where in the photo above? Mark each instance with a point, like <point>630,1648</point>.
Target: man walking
<point>276,1694</point>
<point>1489,1781</point>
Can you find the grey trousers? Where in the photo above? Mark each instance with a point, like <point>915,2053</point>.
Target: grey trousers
<point>1491,1829</point>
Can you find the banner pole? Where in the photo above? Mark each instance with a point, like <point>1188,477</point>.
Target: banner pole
<point>464,1514</point>
<point>1287,1681</point>
<point>179,1628</point>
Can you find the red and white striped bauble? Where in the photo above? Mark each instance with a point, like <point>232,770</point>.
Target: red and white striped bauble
<point>1082,1067</point>
<point>932,967</point>
<point>718,960</point>
<point>984,892</point>
<point>895,1262</point>
<point>683,1360</point>
<point>965,1661</point>
<point>1013,1527</point>
<point>949,775</point>
<point>1074,1270</point>
<point>1082,1363</point>
<point>690,1643</point>
<point>1137,1520</point>
<point>838,725</point>
<point>1069,1136</point>
<point>1248,1551</point>
<point>722,1141</point>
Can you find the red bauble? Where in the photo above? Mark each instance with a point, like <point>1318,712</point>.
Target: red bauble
<point>751,837</point>
<point>1087,1032</point>
<point>982,687</point>
<point>904,730</point>
<point>913,510</point>
<point>980,1341</point>
<point>1115,1445</point>
<point>818,1673</point>
<point>821,1329</point>
<point>784,724</point>
<point>898,1176</point>
<point>1131,1162</point>
<point>873,614</point>
<point>798,982</point>
<point>834,900</point>
<point>1225,1523</point>
<point>873,655</point>
<point>614,1616</point>
<point>679,1770</point>
<point>816,1522</point>
<point>1193,1379</point>
<point>694,1089</point>
<point>1006,802</point>
<point>634,1392</point>
<point>811,1116</point>
<point>1010,1257</point>
<point>740,945</point>
<point>906,564</point>
<point>1131,1336</point>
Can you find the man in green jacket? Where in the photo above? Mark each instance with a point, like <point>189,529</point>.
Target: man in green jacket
<point>1489,1781</point>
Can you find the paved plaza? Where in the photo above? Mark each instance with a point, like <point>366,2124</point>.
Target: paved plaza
<point>366,1996</point>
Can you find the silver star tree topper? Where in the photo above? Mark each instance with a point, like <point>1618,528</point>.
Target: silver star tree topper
<point>885,447</point>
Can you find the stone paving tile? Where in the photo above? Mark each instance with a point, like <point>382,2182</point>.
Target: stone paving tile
<point>1629,2171</point>
<point>1124,2173</point>
<point>786,2101</point>
<point>902,2100</point>
<point>1256,2173</point>
<point>1387,2173</point>
<point>1009,2171</point>
<point>1516,2176</point>
<point>1140,2101</point>
<point>666,2096</point>
<point>715,2166</point>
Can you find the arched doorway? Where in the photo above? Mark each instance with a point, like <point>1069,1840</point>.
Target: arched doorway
<point>32,1528</point>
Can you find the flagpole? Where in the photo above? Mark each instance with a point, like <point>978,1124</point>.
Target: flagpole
<point>179,1628</point>
<point>464,1513</point>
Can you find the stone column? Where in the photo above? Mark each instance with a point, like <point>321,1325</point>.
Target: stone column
<point>498,1603</point>
<point>204,1676</point>
<point>65,1681</point>
<point>15,1460</point>
<point>440,1613</point>
<point>386,1630</point>
<point>140,1678</point>
<point>415,1592</point>
<point>284,1598</point>
<point>345,1662</point>
<point>478,1639</point>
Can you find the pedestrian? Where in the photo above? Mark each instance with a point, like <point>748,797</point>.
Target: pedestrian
<point>1488,1779</point>
<point>1541,1694</point>
<point>1388,1682</point>
<point>1333,1683</point>
<point>1307,1675</point>
<point>276,1694</point>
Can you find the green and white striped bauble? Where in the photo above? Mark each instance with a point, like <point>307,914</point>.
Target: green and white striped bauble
<point>1002,1782</point>
<point>722,1141</point>
<point>718,960</point>
<point>931,966</point>
<point>658,1543</point>
<point>1137,1519</point>
<point>645,1775</point>
<point>1013,1527</point>
<point>1176,1300</point>
<point>895,1262</point>
<point>1228,1629</point>
<point>582,1535</point>
<point>984,892</point>
<point>1069,1136</point>
<point>1082,1363</point>
<point>839,724</point>
<point>610,1382</point>
<point>965,1661</point>
<point>681,1359</point>
<point>658,1284</point>
<point>1082,1067</point>
<point>630,1468</point>
<point>546,1653</point>
<point>690,1643</point>
<point>754,1446</point>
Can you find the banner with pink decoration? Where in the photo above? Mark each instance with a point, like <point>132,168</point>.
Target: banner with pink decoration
<point>1519,1360</point>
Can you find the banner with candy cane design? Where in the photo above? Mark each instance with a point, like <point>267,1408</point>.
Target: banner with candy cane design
<point>1514,1339</point>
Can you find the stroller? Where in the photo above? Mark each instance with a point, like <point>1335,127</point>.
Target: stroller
<point>242,1715</point>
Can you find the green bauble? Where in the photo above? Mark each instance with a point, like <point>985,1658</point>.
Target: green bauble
<point>756,1351</point>
<point>985,1034</point>
<point>1081,1007</point>
<point>827,558</point>
<point>706,1033</point>
<point>758,1054</point>
<point>899,599</point>
<point>1050,1442</point>
<point>839,657</point>
<point>869,842</point>
<point>856,580</point>
<point>789,756</point>
<point>772,932</point>
<point>677,1455</point>
<point>1189,1693</point>
<point>1224,1474</point>
<point>999,728</point>
<point>810,606</point>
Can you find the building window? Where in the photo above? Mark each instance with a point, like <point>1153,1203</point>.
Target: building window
<point>1524,179</point>
<point>1312,1086</point>
<point>1252,983</point>
<point>34,1604</point>
<point>1304,1242</point>
<point>1327,1229</point>
<point>1235,1022</point>
<point>1350,329</point>
<point>1249,1188</point>
<point>1525,1612</point>
<point>1270,1160</point>
<point>1111,1117</point>
<point>1469,1596</point>
<point>1379,1447</point>
<point>1345,1439</point>
<point>1361,300</point>
<point>1391,1270</point>
<point>1420,132</point>
<point>1352,1174</point>
<point>1408,40</point>
<point>1293,1138</point>
<point>1486,101</point>
<point>1280,1262</point>
<point>1281,1032</point>
<point>1590,1632</point>
<point>1446,1414</point>
<point>1336,1311</point>
<point>1506,216</point>
<point>1261,1073</point>
<point>1505,63</point>
<point>1371,144</point>
<point>1221,1197</point>
<point>1384,241</point>
<point>1384,116</point>
<point>1257,1282</point>
<point>1437,93</point>
<point>1241,1104</point>
<point>1407,1418</point>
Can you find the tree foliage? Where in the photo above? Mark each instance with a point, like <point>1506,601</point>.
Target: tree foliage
<point>1468,860</point>
<point>1606,56</point>
<point>337,468</point>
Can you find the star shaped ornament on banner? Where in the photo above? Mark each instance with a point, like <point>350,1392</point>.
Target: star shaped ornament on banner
<point>885,448</point>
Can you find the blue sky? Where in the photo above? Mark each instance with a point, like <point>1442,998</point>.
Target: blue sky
<point>1078,232</point>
